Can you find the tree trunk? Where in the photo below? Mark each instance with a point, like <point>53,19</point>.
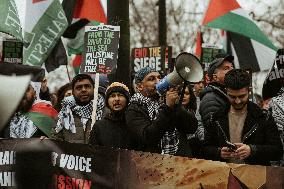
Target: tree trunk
<point>162,23</point>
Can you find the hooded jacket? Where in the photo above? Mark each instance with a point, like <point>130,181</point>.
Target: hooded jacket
<point>111,131</point>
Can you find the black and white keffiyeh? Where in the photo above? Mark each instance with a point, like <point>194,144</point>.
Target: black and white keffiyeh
<point>21,126</point>
<point>69,106</point>
<point>277,108</point>
<point>152,105</point>
<point>170,140</point>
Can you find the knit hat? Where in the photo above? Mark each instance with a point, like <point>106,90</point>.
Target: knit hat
<point>117,87</point>
<point>142,73</point>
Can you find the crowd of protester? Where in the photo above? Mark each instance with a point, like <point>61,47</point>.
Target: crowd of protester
<point>215,122</point>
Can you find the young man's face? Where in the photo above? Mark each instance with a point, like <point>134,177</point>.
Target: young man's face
<point>238,98</point>
<point>221,71</point>
<point>83,92</point>
<point>117,102</point>
<point>148,85</point>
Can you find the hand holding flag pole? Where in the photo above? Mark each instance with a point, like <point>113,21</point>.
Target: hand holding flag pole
<point>95,101</point>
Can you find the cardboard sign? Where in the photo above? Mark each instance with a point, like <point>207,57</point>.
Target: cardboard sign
<point>100,49</point>
<point>12,52</point>
<point>158,58</point>
<point>208,54</point>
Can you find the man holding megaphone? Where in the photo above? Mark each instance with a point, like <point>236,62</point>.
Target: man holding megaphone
<point>157,126</point>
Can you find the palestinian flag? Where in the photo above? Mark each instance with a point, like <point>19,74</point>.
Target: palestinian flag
<point>9,19</point>
<point>76,45</point>
<point>43,115</point>
<point>198,45</point>
<point>91,10</point>
<point>87,12</point>
<point>45,22</point>
<point>76,62</point>
<point>251,48</point>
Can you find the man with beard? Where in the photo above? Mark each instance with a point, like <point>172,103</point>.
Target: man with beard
<point>156,126</point>
<point>31,114</point>
<point>241,132</point>
<point>112,131</point>
<point>75,117</point>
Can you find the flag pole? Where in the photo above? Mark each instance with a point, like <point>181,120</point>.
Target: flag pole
<point>68,73</point>
<point>95,101</point>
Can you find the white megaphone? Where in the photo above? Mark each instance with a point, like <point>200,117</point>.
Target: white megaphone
<point>13,89</point>
<point>187,68</point>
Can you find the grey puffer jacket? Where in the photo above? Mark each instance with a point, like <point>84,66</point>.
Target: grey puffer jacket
<point>212,98</point>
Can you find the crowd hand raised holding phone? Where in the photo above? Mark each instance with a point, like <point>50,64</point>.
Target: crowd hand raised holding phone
<point>241,151</point>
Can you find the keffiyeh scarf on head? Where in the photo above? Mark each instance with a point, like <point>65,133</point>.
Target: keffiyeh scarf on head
<point>69,106</point>
<point>170,140</point>
<point>21,126</point>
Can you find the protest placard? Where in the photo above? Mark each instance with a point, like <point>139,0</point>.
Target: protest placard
<point>100,49</point>
<point>274,80</point>
<point>208,53</point>
<point>12,52</point>
<point>158,58</point>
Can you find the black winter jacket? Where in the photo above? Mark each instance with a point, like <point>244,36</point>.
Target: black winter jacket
<point>212,98</point>
<point>146,134</point>
<point>111,131</point>
<point>259,132</point>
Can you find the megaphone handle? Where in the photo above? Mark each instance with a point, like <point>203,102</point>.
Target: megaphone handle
<point>182,92</point>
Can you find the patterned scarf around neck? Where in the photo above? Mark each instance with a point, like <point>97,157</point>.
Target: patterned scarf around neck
<point>21,126</point>
<point>170,140</point>
<point>69,106</point>
<point>152,105</point>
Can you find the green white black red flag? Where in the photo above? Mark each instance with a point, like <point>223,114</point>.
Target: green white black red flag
<point>251,48</point>
<point>9,19</point>
<point>44,24</point>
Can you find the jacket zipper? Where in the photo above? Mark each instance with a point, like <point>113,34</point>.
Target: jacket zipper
<point>223,132</point>
<point>253,129</point>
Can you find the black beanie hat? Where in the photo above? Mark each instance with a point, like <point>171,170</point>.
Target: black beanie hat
<point>117,87</point>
